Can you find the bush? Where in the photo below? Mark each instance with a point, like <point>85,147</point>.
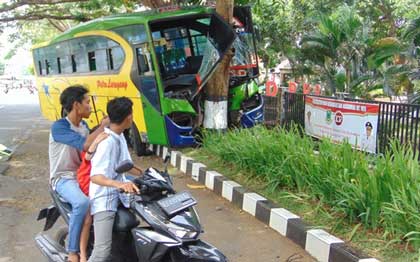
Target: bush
<point>382,192</point>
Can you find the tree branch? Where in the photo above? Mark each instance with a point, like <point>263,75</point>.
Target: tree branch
<point>32,17</point>
<point>6,8</point>
<point>57,24</point>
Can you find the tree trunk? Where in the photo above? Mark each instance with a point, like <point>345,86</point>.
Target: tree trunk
<point>216,103</point>
<point>348,78</point>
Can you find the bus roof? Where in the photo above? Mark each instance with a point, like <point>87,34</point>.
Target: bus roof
<point>109,22</point>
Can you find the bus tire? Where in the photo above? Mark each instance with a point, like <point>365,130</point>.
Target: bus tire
<point>139,147</point>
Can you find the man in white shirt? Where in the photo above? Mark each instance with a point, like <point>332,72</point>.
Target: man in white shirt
<point>105,182</point>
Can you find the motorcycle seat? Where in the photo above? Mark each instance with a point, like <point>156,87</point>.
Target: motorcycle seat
<point>60,202</point>
<point>125,220</point>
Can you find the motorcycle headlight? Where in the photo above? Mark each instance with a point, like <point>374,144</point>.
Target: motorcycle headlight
<point>181,233</point>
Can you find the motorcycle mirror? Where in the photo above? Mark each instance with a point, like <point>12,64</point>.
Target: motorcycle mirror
<point>124,166</point>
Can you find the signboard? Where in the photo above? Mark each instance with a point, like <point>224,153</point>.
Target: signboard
<point>271,88</point>
<point>342,120</point>
<point>292,87</point>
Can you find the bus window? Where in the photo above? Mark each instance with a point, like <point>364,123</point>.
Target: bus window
<point>188,50</point>
<point>142,60</point>
<point>73,64</point>
<point>134,34</point>
<point>147,78</point>
<point>40,68</point>
<point>81,61</point>
<point>80,58</point>
<point>47,67</point>
<point>116,57</point>
<point>66,64</point>
<point>59,65</point>
<point>92,61</point>
<point>198,42</point>
<point>101,60</point>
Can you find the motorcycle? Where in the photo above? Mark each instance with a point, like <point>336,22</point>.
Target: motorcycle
<point>170,234</point>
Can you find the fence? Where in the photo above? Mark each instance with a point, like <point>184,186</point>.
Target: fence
<point>398,121</point>
<point>395,121</point>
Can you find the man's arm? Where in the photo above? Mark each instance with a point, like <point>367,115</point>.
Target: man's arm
<point>62,133</point>
<point>102,180</point>
<point>136,171</point>
<point>101,166</point>
<point>91,137</point>
<point>92,148</point>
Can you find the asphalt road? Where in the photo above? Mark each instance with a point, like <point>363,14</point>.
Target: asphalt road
<point>19,111</point>
<point>23,191</point>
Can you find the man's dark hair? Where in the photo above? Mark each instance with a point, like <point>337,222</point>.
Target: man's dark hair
<point>72,94</point>
<point>118,109</point>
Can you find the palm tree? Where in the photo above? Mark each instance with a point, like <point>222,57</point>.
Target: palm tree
<point>338,42</point>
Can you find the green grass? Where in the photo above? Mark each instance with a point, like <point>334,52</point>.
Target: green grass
<point>372,201</point>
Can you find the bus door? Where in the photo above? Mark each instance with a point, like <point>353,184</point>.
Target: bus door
<point>144,77</point>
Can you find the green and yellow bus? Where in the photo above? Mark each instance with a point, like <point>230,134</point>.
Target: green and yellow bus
<point>161,60</point>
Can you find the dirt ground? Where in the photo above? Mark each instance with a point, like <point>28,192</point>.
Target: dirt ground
<point>23,191</point>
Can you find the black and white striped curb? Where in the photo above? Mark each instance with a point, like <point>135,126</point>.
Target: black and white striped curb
<point>317,242</point>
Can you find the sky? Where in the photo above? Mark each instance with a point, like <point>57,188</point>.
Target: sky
<point>19,63</point>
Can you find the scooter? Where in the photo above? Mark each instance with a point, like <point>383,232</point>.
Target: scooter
<point>170,234</point>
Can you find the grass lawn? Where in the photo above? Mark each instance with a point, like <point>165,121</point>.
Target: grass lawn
<point>376,240</point>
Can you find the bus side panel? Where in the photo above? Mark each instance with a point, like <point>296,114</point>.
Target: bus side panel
<point>138,115</point>
<point>48,100</point>
<point>92,121</point>
<point>155,124</point>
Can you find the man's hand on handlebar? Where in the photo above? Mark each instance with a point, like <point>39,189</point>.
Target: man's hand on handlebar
<point>128,187</point>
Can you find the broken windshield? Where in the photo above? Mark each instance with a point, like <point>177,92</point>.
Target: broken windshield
<point>188,51</point>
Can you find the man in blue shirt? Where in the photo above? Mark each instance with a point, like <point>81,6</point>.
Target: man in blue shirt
<point>69,136</point>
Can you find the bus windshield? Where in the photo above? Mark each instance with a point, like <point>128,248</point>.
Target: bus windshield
<point>188,51</point>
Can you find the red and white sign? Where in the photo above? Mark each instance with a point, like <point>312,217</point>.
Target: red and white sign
<point>342,120</point>
<point>271,88</point>
<point>292,87</point>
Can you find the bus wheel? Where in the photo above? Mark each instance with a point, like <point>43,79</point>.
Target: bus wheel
<point>134,140</point>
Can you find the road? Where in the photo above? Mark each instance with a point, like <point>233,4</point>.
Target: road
<point>19,110</point>
<point>23,191</point>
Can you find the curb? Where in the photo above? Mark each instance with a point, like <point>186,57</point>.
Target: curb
<point>317,242</point>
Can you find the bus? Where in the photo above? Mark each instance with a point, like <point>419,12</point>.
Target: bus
<point>161,60</point>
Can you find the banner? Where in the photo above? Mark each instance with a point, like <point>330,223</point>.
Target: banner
<point>342,120</point>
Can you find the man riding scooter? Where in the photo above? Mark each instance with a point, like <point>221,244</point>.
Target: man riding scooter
<point>68,137</point>
<point>105,181</point>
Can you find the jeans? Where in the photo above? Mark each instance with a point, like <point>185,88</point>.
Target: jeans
<point>103,223</point>
<point>70,191</point>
